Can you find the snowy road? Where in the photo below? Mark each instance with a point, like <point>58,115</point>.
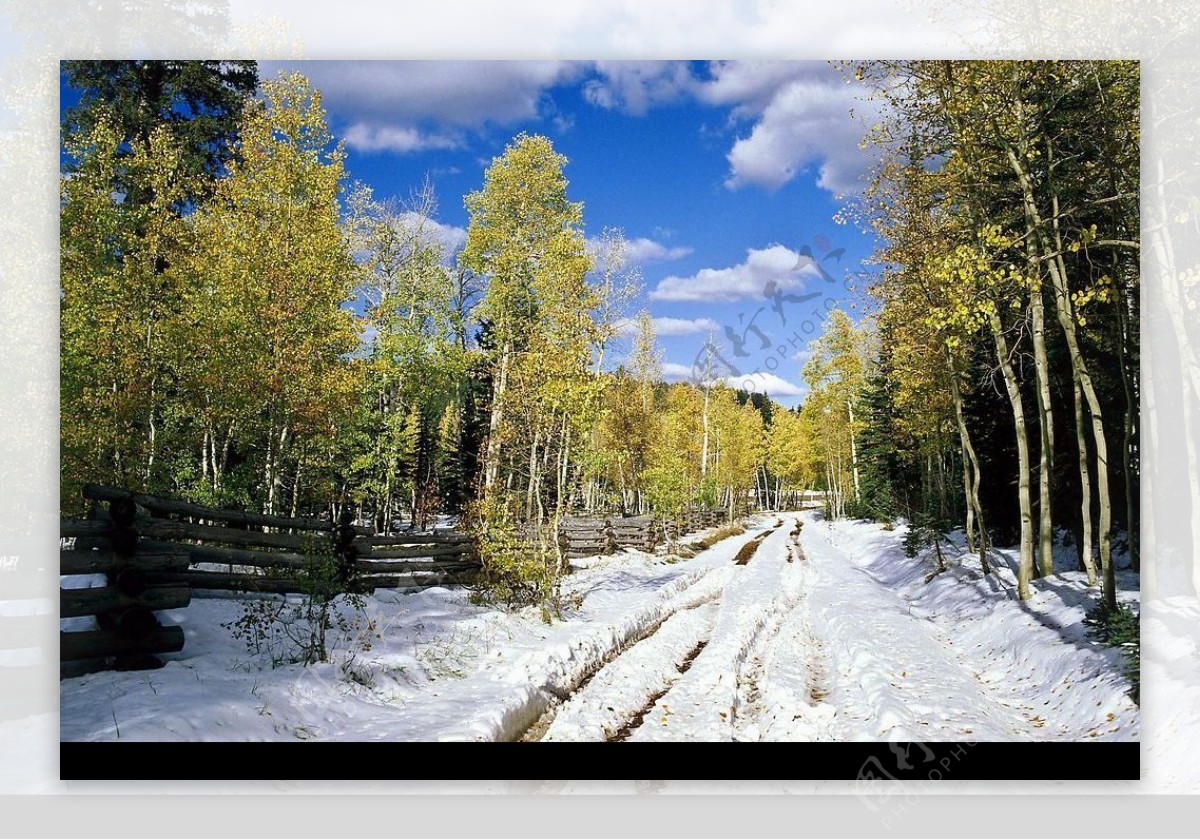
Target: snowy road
<point>797,629</point>
<point>735,668</point>
<point>813,639</point>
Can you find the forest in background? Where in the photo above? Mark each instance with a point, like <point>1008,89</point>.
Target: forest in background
<point>243,326</point>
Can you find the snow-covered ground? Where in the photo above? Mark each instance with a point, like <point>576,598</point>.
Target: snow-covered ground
<point>825,633</point>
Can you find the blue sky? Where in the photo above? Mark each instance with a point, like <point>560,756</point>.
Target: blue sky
<point>724,176</point>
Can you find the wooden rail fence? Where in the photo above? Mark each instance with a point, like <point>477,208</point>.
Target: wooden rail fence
<point>592,536</point>
<point>154,552</point>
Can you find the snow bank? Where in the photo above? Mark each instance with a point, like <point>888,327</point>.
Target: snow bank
<point>841,640</point>
<point>411,666</point>
<point>960,657</point>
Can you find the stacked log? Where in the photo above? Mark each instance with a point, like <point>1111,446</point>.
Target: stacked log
<point>415,560</point>
<point>154,552</point>
<point>641,532</point>
<point>129,633</point>
<point>586,537</point>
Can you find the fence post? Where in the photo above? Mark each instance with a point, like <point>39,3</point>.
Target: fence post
<point>343,545</point>
<point>135,623</point>
<point>610,539</point>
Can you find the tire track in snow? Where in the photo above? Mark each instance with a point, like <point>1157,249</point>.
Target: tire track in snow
<point>891,674</point>
<point>629,681</point>
<point>788,627</point>
<point>818,666</point>
<point>638,719</point>
<point>747,551</point>
<point>615,704</point>
<point>703,704</point>
<point>792,703</point>
<point>542,706</point>
<point>531,712</point>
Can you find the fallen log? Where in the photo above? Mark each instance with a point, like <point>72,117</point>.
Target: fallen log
<point>91,562</point>
<point>101,599</point>
<point>233,556</point>
<point>96,644</point>
<point>233,517</point>
<point>375,567</point>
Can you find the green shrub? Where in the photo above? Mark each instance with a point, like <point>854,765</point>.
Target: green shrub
<point>520,568</point>
<point>1120,628</point>
<point>290,630</point>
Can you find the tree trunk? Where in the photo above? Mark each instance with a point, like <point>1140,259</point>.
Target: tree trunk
<point>151,431</point>
<point>296,487</point>
<point>492,454</point>
<point>204,456</point>
<point>1129,429</point>
<point>531,487</point>
<point>564,464</point>
<point>1066,318</point>
<point>1025,565</point>
<point>269,472</point>
<point>1052,251</point>
<point>152,444</point>
<point>972,475</point>
<point>1085,487</point>
<point>1046,429</point>
<point>829,489</point>
<point>970,508</point>
<point>274,470</point>
<point>853,452</point>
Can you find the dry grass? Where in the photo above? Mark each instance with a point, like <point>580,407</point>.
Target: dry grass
<point>715,537</point>
<point>747,551</point>
<point>688,550</point>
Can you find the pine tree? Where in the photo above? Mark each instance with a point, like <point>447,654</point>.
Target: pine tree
<point>200,103</point>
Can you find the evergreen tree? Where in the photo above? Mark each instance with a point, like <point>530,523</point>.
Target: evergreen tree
<point>199,102</point>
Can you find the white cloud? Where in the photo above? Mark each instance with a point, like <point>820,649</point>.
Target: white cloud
<point>766,383</point>
<point>685,326</point>
<point>619,28</point>
<point>745,280</point>
<point>763,382</point>
<point>675,372</point>
<point>392,104</point>
<point>750,85</point>
<point>455,93</point>
<point>450,237</point>
<point>402,139</point>
<point>636,86</point>
<point>642,250</point>
<point>639,251</point>
<point>409,106</point>
<point>801,120</point>
<point>797,111</point>
<point>672,326</point>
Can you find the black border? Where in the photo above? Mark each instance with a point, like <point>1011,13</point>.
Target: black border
<point>863,761</point>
